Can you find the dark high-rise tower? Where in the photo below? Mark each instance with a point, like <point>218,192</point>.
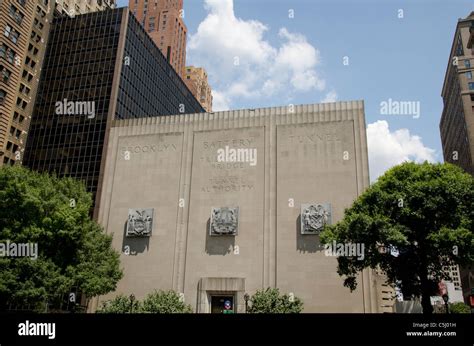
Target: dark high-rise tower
<point>98,67</point>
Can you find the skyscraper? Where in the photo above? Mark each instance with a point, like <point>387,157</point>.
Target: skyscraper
<point>196,80</point>
<point>25,26</point>
<point>76,7</point>
<point>457,119</point>
<point>162,19</point>
<point>98,67</point>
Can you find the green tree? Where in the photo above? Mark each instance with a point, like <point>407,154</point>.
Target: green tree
<point>165,302</point>
<point>120,305</point>
<point>270,301</point>
<point>459,308</point>
<point>157,302</point>
<point>424,213</point>
<point>73,251</point>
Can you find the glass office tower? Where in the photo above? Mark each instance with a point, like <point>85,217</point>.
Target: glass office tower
<point>98,67</point>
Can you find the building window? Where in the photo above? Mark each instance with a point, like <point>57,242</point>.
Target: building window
<point>24,89</point>
<point>15,14</point>
<point>4,74</point>
<point>7,53</point>
<point>469,75</point>
<point>3,95</point>
<point>467,63</point>
<point>11,33</point>
<point>7,31</point>
<point>459,48</point>
<point>151,24</point>
<point>471,86</point>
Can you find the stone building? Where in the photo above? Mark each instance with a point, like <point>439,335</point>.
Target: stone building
<point>457,120</point>
<point>198,84</point>
<point>163,21</point>
<point>216,205</point>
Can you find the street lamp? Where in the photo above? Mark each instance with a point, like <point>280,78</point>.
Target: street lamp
<point>446,299</point>
<point>246,298</point>
<point>132,298</point>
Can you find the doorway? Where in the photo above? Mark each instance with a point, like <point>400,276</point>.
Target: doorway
<point>222,304</point>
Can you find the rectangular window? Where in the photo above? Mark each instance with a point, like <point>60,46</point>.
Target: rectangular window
<point>11,33</point>
<point>3,50</point>
<point>7,31</point>
<point>3,95</point>
<point>24,89</point>
<point>471,86</point>
<point>16,15</point>
<point>469,75</point>
<point>10,56</point>
<point>467,63</point>
<point>151,24</point>
<point>4,74</point>
<point>459,47</point>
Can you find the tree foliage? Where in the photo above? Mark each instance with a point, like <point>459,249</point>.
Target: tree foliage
<point>73,251</point>
<point>270,301</point>
<point>121,304</point>
<point>165,302</point>
<point>459,308</point>
<point>157,302</point>
<point>413,220</point>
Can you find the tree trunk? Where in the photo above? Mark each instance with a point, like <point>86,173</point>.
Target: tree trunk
<point>426,304</point>
<point>425,290</point>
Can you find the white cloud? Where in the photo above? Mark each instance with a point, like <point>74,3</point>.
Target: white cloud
<point>242,64</point>
<point>387,149</point>
<point>330,97</point>
<point>220,102</point>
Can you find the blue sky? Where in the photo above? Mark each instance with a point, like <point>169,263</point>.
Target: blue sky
<point>283,60</point>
